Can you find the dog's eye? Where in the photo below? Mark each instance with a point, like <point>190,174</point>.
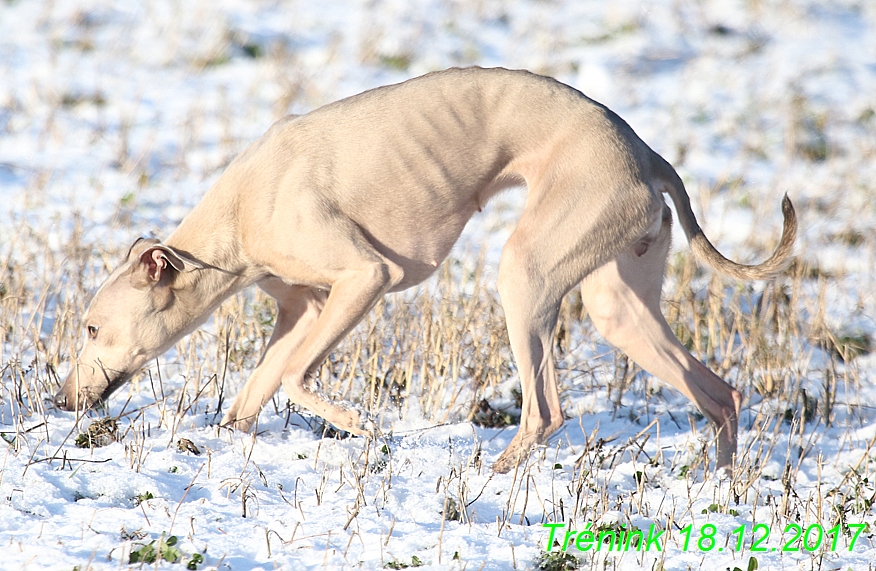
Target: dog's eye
<point>92,331</point>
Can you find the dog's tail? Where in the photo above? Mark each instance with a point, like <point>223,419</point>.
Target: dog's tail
<point>705,251</point>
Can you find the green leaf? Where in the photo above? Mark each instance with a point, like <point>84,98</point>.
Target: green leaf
<point>197,559</point>
<point>146,554</point>
<point>714,508</point>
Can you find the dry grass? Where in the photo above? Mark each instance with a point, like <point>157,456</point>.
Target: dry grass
<point>442,352</point>
<point>441,355</point>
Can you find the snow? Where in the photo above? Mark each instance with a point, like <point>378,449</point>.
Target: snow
<point>113,111</point>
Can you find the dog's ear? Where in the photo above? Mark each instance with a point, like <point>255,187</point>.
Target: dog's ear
<point>139,246</point>
<point>152,260</point>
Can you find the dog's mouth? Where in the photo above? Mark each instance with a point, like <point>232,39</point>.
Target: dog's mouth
<point>87,397</point>
<point>113,385</point>
<point>114,380</point>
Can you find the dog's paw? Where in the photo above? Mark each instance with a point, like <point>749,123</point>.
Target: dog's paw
<point>512,457</point>
<point>503,465</point>
<point>366,425</point>
<point>231,421</point>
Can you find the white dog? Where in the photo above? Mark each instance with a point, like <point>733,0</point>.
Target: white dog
<point>331,210</point>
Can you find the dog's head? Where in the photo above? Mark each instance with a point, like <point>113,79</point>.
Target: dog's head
<point>134,317</point>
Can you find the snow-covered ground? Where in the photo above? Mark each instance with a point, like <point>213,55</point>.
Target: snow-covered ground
<point>116,116</point>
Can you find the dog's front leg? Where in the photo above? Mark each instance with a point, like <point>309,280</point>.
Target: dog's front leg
<point>351,297</point>
<point>297,311</point>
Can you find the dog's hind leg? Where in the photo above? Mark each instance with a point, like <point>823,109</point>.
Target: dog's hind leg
<point>623,300</point>
<point>298,308</point>
<point>560,238</point>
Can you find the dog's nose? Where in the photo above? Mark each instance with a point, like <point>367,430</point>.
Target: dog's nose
<point>60,401</point>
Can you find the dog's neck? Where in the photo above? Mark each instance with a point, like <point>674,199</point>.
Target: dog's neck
<point>209,238</point>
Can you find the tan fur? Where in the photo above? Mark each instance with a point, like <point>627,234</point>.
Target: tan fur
<point>331,210</point>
